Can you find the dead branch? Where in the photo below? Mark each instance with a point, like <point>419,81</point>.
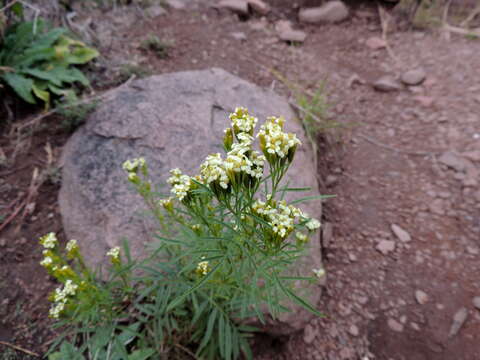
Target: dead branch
<point>470,17</point>
<point>18,348</point>
<point>384,21</point>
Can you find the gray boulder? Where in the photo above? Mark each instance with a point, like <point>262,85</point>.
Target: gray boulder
<point>173,120</point>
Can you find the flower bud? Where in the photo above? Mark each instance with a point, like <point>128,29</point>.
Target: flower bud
<point>228,139</point>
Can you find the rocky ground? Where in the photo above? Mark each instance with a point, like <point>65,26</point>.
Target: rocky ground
<point>402,237</point>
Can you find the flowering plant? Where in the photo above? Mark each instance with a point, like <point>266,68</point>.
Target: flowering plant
<point>230,238</point>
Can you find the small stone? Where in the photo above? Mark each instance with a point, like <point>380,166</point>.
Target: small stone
<point>421,297</point>
<point>395,325</point>
<point>352,257</point>
<point>286,33</point>
<point>155,10</point>
<point>401,234</point>
<point>415,326</point>
<point>175,4</point>
<point>387,84</point>
<point>331,180</point>
<point>259,6</point>
<point>22,241</point>
<point>476,302</point>
<point>353,330</point>
<point>309,334</point>
<point>3,242</point>
<point>414,77</point>
<point>240,36</point>
<point>472,250</point>
<point>472,155</point>
<point>386,246</point>
<point>458,320</point>
<point>237,6</point>
<point>333,11</point>
<point>376,43</point>
<point>425,101</point>
<point>454,161</point>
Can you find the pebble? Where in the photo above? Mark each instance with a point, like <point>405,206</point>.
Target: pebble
<point>376,43</point>
<point>309,334</point>
<point>458,320</point>
<point>332,11</point>
<point>387,84</point>
<point>476,302</point>
<point>236,6</point>
<point>259,6</point>
<point>413,77</point>
<point>453,160</point>
<point>401,234</point>
<point>472,250</point>
<point>395,325</point>
<point>155,10</point>
<point>286,32</point>
<point>385,246</point>
<point>240,36</point>
<point>353,330</point>
<point>421,297</point>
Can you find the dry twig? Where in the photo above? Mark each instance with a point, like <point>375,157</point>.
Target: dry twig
<point>384,20</point>
<point>18,348</point>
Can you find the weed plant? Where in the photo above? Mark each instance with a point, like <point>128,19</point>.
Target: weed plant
<point>225,254</point>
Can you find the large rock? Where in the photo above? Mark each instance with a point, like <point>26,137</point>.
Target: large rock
<point>331,12</point>
<point>173,120</point>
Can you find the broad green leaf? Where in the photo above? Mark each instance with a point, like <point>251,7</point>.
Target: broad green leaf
<point>21,85</point>
<point>81,55</point>
<point>41,94</point>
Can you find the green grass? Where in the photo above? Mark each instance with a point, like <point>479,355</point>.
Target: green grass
<point>156,45</point>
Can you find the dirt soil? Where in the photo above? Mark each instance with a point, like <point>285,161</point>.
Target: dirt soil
<point>407,159</point>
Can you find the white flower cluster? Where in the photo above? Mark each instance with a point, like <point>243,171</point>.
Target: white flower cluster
<point>49,241</point>
<point>114,253</point>
<point>181,184</point>
<point>47,261</point>
<point>302,238</point>
<point>71,245</point>
<point>203,268</point>
<point>273,141</point>
<point>133,165</point>
<point>312,224</point>
<point>243,122</point>
<point>238,161</point>
<point>61,297</point>
<point>281,218</point>
<point>213,170</point>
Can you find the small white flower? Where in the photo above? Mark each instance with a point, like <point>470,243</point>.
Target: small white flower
<point>46,261</point>
<point>312,224</point>
<point>71,245</point>
<point>49,241</point>
<point>203,268</point>
<point>56,310</point>
<point>114,253</point>
<point>319,272</point>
